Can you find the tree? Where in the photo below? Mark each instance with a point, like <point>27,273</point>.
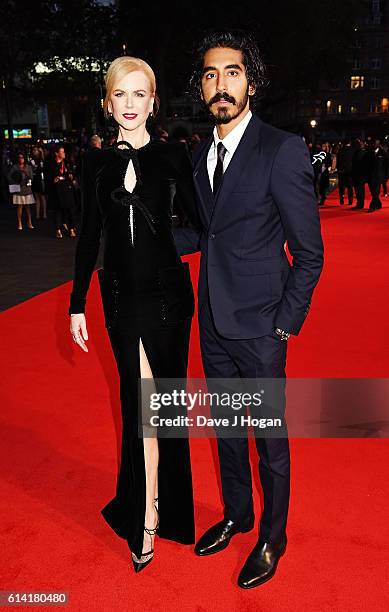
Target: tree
<point>77,63</point>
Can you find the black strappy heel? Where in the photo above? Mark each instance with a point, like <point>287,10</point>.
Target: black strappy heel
<point>141,562</point>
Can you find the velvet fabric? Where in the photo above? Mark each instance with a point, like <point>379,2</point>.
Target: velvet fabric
<point>146,293</point>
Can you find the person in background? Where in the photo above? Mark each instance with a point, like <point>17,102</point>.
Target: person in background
<point>38,181</point>
<point>316,160</point>
<point>377,162</point>
<point>63,194</point>
<point>344,167</point>
<point>21,174</point>
<point>324,178</point>
<point>74,167</point>
<point>95,142</point>
<point>385,181</point>
<point>359,173</point>
<point>6,165</point>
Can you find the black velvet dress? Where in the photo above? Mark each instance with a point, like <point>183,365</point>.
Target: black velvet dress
<point>146,293</point>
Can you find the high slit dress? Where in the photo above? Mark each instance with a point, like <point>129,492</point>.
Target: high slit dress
<point>146,294</point>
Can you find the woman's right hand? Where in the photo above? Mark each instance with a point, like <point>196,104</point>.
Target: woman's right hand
<point>78,330</point>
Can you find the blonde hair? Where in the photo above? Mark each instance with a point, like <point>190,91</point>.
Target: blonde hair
<point>119,68</point>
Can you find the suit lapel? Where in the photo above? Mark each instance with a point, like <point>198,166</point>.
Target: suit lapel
<point>238,162</point>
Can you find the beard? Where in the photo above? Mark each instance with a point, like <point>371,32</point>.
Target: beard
<point>223,115</point>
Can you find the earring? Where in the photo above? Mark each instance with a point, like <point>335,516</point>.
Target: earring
<point>110,114</point>
<point>151,114</point>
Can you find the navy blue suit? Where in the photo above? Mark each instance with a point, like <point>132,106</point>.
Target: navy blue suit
<point>247,288</point>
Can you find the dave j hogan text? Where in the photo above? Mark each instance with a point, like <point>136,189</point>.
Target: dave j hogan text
<point>203,421</point>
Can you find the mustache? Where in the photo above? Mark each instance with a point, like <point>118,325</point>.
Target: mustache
<point>221,96</point>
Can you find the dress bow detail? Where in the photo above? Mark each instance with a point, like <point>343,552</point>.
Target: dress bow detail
<point>130,199</point>
<point>127,198</point>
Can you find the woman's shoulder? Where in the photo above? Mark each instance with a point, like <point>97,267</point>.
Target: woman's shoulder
<point>95,158</point>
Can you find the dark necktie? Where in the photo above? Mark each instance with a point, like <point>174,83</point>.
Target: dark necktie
<point>218,174</point>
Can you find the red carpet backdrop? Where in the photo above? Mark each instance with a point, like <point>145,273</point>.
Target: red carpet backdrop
<point>60,426</point>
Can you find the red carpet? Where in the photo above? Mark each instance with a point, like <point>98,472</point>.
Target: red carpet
<point>60,421</point>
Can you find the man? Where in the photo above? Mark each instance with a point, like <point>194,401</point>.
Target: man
<point>385,181</point>
<point>359,173</point>
<point>344,168</point>
<point>255,191</point>
<point>377,171</point>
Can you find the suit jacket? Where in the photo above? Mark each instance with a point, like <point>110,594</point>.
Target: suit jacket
<point>266,199</point>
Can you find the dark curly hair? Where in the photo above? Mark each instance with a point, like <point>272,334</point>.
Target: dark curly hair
<point>235,39</point>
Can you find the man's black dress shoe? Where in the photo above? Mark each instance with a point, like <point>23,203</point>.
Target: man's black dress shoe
<point>218,536</point>
<point>261,564</point>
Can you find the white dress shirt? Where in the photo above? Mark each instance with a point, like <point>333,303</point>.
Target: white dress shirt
<point>230,142</point>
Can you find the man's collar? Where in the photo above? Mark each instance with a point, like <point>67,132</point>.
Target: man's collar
<point>235,133</point>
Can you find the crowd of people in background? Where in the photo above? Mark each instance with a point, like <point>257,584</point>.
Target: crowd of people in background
<point>354,164</point>
<point>47,176</point>
<point>41,177</point>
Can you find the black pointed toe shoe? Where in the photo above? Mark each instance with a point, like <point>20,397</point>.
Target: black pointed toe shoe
<point>143,561</point>
<point>218,536</point>
<point>261,563</point>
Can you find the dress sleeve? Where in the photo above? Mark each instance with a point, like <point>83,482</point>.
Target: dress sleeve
<point>185,197</point>
<point>188,232</point>
<point>88,242</point>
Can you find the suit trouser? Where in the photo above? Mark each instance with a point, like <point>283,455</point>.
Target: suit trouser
<point>345,183</point>
<point>64,215</point>
<point>375,187</point>
<point>359,187</point>
<point>263,357</point>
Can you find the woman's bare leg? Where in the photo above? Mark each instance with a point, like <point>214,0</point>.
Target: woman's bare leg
<point>151,455</point>
<point>28,211</point>
<point>19,210</point>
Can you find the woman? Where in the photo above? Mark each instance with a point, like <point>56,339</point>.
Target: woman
<point>63,194</point>
<point>147,298</point>
<point>20,174</point>
<point>38,181</point>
